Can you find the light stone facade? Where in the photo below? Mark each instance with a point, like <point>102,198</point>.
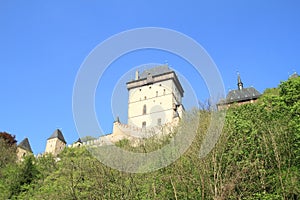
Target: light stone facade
<point>155,98</point>
<point>23,149</point>
<point>55,143</point>
<point>21,153</point>
<point>54,146</point>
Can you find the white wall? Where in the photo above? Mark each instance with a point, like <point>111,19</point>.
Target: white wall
<point>159,99</point>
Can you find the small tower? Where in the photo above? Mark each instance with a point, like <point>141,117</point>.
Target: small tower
<point>78,143</point>
<point>23,149</point>
<point>240,83</point>
<point>55,143</point>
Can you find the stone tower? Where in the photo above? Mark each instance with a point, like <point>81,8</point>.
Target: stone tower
<point>55,143</point>
<point>155,98</point>
<point>23,149</point>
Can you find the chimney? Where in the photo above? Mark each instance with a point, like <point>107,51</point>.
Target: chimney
<point>137,75</point>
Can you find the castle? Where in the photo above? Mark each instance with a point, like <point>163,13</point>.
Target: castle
<point>154,106</point>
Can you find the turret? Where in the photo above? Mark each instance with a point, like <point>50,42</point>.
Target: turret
<point>55,143</point>
<point>240,83</point>
<point>23,149</point>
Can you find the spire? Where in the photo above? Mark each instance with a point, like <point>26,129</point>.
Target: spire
<point>240,83</point>
<point>25,145</point>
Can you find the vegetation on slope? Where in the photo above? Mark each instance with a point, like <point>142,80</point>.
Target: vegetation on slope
<point>256,157</point>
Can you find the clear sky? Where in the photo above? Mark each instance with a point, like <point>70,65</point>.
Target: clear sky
<point>44,43</point>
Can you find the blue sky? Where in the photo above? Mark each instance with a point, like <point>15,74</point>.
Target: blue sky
<point>44,43</point>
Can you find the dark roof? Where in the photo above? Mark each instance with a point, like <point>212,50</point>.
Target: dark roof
<point>243,94</point>
<point>58,134</point>
<point>79,140</point>
<point>294,75</point>
<point>155,71</point>
<point>25,145</point>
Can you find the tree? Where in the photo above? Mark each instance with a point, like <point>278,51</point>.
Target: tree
<point>290,95</point>
<point>7,149</point>
<point>8,138</point>
<point>19,177</point>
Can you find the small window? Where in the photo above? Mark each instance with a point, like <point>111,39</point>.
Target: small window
<point>140,89</point>
<point>145,97</point>
<point>144,125</point>
<point>164,91</point>
<point>150,87</point>
<point>159,122</point>
<point>157,93</point>
<point>144,110</point>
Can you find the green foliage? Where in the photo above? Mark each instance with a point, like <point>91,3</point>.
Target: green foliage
<point>290,94</point>
<point>8,149</point>
<point>289,90</point>
<point>8,154</point>
<point>257,157</point>
<point>18,178</point>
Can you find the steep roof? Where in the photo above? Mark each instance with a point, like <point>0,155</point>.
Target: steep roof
<point>58,134</point>
<point>243,94</point>
<point>240,94</point>
<point>155,71</point>
<point>79,140</point>
<point>25,145</point>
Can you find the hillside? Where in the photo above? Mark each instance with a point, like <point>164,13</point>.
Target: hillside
<point>256,157</point>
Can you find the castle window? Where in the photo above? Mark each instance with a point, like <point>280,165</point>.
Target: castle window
<point>159,122</point>
<point>145,97</point>
<point>164,91</point>
<point>150,87</point>
<point>144,125</point>
<point>144,110</point>
<point>156,93</point>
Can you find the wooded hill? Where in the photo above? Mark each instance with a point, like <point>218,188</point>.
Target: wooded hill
<point>256,157</point>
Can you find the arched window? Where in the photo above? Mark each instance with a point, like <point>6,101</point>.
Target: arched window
<point>144,110</point>
<point>144,125</point>
<point>159,121</point>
